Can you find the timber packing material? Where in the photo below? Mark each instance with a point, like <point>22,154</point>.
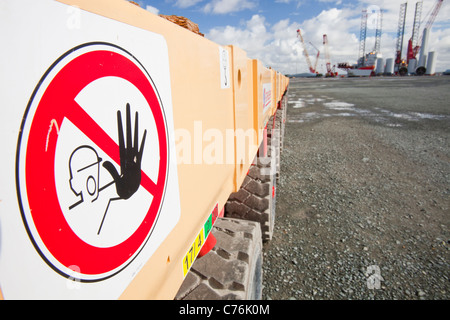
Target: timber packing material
<point>183,22</point>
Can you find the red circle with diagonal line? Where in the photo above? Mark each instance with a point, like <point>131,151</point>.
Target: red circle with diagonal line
<point>43,216</point>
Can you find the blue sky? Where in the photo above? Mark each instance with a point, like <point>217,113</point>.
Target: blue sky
<point>214,16</point>
<point>266,29</point>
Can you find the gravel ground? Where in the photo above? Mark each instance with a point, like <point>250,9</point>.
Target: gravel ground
<point>364,194</point>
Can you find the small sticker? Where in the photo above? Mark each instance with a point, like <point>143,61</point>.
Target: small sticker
<point>224,68</point>
<point>193,252</point>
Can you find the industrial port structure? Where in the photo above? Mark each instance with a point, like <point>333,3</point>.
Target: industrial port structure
<point>418,61</point>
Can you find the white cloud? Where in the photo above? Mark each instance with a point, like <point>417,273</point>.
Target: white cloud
<point>299,2</point>
<point>252,39</point>
<point>277,45</point>
<point>273,45</point>
<point>186,3</point>
<point>228,6</point>
<point>152,9</point>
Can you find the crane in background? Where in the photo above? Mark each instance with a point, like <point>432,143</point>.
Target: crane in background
<point>331,72</point>
<point>362,38</point>
<point>366,61</point>
<point>378,32</point>
<point>305,52</point>
<point>400,64</point>
<point>415,42</point>
<point>317,56</point>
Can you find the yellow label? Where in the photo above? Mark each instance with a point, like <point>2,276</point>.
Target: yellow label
<point>199,241</point>
<point>192,253</point>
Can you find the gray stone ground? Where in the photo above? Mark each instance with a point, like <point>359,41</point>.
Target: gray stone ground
<point>363,201</point>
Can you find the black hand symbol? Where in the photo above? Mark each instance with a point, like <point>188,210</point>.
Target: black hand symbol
<point>129,180</point>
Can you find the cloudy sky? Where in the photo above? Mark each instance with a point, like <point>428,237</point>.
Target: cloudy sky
<point>266,29</point>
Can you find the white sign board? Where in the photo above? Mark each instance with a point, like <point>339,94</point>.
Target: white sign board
<point>89,182</point>
<point>267,96</point>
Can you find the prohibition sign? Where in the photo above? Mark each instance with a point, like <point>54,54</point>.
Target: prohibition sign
<point>53,103</point>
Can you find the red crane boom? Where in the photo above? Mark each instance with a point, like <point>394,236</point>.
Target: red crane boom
<point>331,72</point>
<point>317,56</point>
<point>305,51</point>
<point>433,15</point>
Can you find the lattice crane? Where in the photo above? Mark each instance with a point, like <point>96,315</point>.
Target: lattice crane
<point>378,32</point>
<point>400,35</point>
<point>331,72</point>
<point>317,56</point>
<point>362,38</point>
<point>305,51</point>
<point>415,42</point>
